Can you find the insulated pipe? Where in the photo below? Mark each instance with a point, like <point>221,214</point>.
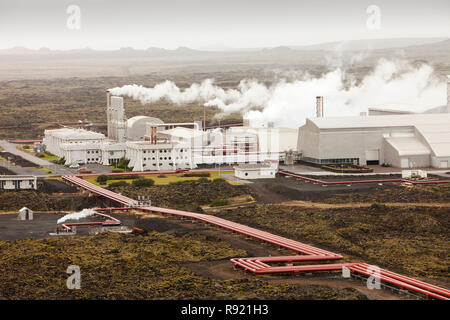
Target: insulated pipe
<point>296,258</point>
<point>361,181</point>
<point>256,265</point>
<point>411,281</point>
<point>398,283</point>
<point>308,268</point>
<point>111,220</point>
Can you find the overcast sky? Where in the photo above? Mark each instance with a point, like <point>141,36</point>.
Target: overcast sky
<point>107,24</point>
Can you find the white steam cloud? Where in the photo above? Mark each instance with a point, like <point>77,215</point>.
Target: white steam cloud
<point>76,215</point>
<point>288,103</point>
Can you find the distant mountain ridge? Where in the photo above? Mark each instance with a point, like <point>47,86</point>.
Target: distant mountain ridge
<point>351,45</point>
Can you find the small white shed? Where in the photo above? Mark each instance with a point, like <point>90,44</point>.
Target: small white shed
<point>25,214</point>
<point>264,170</point>
<point>414,174</point>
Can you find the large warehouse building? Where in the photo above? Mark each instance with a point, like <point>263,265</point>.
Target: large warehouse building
<point>405,141</point>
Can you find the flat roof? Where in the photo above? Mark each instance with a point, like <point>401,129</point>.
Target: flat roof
<point>182,132</point>
<point>408,146</point>
<point>75,134</point>
<point>254,166</point>
<point>398,120</point>
<point>437,137</point>
<point>150,145</point>
<point>16,177</point>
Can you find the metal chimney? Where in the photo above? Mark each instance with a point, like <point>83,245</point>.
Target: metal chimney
<point>108,97</point>
<point>108,112</point>
<point>319,106</point>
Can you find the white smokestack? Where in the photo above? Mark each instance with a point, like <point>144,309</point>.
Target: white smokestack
<point>319,106</point>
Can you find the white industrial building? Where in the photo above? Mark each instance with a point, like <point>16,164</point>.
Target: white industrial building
<point>401,139</point>
<point>405,141</point>
<point>151,144</point>
<point>265,170</point>
<point>74,145</point>
<point>11,182</point>
<point>147,156</point>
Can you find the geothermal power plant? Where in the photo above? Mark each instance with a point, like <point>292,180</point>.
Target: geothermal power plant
<point>154,148</point>
<point>398,138</point>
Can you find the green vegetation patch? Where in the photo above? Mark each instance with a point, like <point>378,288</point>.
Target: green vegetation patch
<point>219,202</point>
<point>143,182</point>
<point>185,195</point>
<point>118,266</point>
<point>160,179</point>
<point>196,174</point>
<point>417,194</point>
<point>35,200</point>
<point>411,240</point>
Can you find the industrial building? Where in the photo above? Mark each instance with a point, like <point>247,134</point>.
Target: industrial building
<point>74,145</point>
<point>150,144</point>
<point>251,171</point>
<point>11,182</point>
<point>401,139</point>
<point>405,141</point>
<point>381,135</point>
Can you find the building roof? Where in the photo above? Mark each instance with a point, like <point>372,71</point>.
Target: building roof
<point>437,137</point>
<point>182,132</point>
<point>81,146</point>
<point>149,145</point>
<point>136,119</point>
<point>253,166</point>
<point>257,166</point>
<point>16,177</point>
<point>113,146</point>
<point>75,134</point>
<point>388,111</point>
<point>408,146</point>
<point>404,120</point>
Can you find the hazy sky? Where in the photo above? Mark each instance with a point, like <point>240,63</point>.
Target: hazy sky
<point>107,24</point>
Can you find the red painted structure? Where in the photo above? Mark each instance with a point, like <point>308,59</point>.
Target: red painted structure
<point>260,265</point>
<point>111,221</point>
<point>285,173</point>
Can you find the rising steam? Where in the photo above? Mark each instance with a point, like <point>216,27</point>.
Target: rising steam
<point>288,103</point>
<point>76,215</point>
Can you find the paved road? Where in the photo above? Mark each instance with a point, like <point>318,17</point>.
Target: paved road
<point>24,171</point>
<point>12,148</point>
<point>59,169</point>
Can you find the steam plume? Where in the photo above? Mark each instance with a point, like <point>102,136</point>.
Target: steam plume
<point>288,103</point>
<point>76,215</point>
